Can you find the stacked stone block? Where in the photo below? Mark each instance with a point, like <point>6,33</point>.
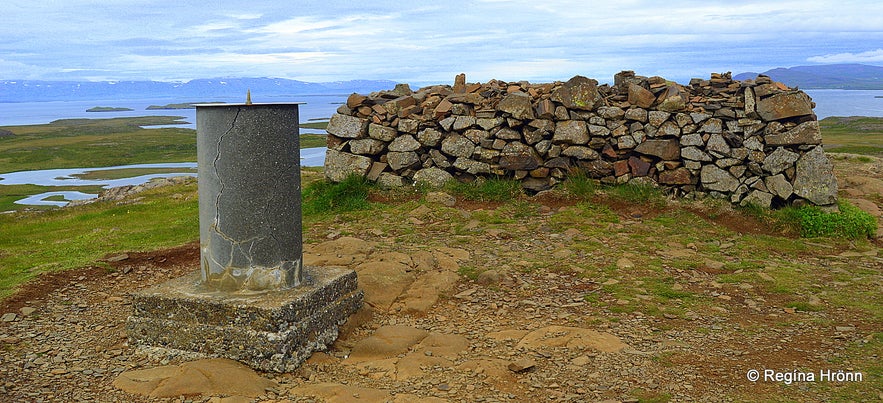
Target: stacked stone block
<point>754,141</point>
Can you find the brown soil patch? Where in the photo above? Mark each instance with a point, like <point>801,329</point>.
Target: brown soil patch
<point>46,283</point>
<point>37,289</point>
<point>184,255</point>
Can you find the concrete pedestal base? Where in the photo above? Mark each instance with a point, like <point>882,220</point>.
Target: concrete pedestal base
<point>269,331</point>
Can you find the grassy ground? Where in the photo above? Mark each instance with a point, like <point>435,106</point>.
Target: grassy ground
<point>854,134</point>
<point>644,252</point>
<point>36,242</point>
<point>129,172</point>
<point>651,257</point>
<point>75,143</point>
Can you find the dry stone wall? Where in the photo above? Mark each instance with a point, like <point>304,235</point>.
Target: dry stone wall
<point>754,141</point>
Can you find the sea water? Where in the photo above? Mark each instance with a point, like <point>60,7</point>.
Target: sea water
<point>315,107</point>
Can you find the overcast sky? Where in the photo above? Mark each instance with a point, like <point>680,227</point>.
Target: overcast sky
<point>428,42</point>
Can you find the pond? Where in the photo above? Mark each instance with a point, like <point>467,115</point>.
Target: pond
<point>310,157</point>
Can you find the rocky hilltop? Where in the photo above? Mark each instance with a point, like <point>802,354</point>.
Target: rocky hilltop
<point>753,141</point>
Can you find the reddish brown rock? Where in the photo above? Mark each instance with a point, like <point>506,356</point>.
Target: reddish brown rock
<point>545,109</point>
<point>443,108</point>
<point>639,167</point>
<point>678,176</point>
<point>621,167</point>
<point>460,83</point>
<point>664,149</point>
<point>355,100</point>
<point>393,107</point>
<point>640,96</point>
<point>784,105</point>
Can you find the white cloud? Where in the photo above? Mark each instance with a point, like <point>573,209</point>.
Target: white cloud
<point>245,16</point>
<point>871,56</point>
<point>512,40</point>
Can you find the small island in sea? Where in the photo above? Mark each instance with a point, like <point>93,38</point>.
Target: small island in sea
<point>108,109</point>
<point>185,105</point>
<point>172,106</point>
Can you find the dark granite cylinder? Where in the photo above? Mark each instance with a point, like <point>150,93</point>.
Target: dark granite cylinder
<point>249,196</point>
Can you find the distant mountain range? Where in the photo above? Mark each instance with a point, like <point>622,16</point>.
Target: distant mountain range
<point>830,76</point>
<point>841,76</point>
<point>201,90</point>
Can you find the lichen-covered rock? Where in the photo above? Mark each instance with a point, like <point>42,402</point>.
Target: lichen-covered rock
<point>400,160</point>
<point>404,143</point>
<point>636,114</point>
<point>712,125</point>
<point>717,144</point>
<point>758,198</point>
<point>456,145</point>
<point>429,137</point>
<point>692,139</point>
<point>432,176</point>
<point>578,93</point>
<point>339,165</point>
<point>814,178</point>
<point>674,100</point>
<point>779,186</point>
<point>779,160</point>
<point>694,154</point>
<point>517,104</point>
<point>391,180</point>
<point>804,133</point>
<point>366,146</point>
<point>714,178</point>
<point>571,132</point>
<point>380,132</point>
<point>347,126</point>
<point>580,152</point>
<point>517,156</point>
<point>472,166</point>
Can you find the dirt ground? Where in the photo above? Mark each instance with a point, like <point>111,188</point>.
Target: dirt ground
<point>464,314</point>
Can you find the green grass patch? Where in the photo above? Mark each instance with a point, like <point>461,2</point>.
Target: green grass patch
<point>314,125</point>
<point>804,306</point>
<point>324,197</point>
<point>811,222</point>
<point>636,193</point>
<point>865,150</point>
<point>312,140</point>
<point>580,185</point>
<point>493,189</point>
<point>60,239</point>
<point>469,272</point>
<point>85,143</point>
<point>110,174</point>
<point>853,134</point>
